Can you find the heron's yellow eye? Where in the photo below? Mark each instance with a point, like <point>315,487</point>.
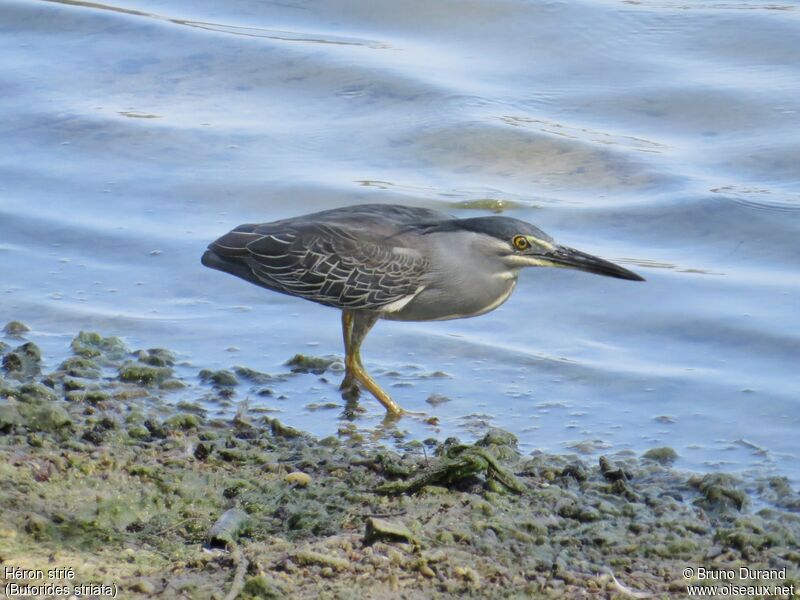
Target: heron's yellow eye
<point>521,242</point>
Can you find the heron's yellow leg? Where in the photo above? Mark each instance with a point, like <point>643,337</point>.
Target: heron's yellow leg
<point>349,381</point>
<point>361,375</point>
<point>355,326</point>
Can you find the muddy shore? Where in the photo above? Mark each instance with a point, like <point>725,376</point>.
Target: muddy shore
<point>107,481</point>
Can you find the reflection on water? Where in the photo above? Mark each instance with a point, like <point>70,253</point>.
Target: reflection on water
<point>662,135</point>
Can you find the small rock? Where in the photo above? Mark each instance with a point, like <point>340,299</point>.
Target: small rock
<point>611,472</point>
<point>202,451</point>
<point>719,491</point>
<point>95,396</point>
<point>172,384</point>
<point>71,384</point>
<point>94,436</point>
<point>49,418</point>
<point>278,429</point>
<point>183,421</point>
<point>389,531</point>
<point>263,588</point>
<point>222,378</point>
<point>298,479</point>
<point>78,366</point>
<point>16,328</point>
<point>137,432</point>
<point>579,512</point>
<point>91,345</point>
<point>308,557</point>
<point>136,372</point>
<point>301,363</point>
<point>35,393</point>
<point>315,406</point>
<point>227,528</point>
<point>252,375</point>
<point>155,428</point>
<point>663,456</point>
<point>156,357</point>
<point>575,470</point>
<point>24,362</point>
<point>143,586</point>
<point>437,399</point>
<point>470,575</point>
<point>9,418</point>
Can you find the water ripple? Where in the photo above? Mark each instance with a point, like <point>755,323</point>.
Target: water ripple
<point>272,34</point>
<point>760,198</point>
<point>712,5</point>
<point>584,134</point>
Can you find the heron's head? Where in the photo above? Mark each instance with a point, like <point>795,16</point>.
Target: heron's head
<point>520,244</point>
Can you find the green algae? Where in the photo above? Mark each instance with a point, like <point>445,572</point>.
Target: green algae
<point>134,372</point>
<point>80,367</point>
<point>143,586</point>
<point>24,362</point>
<point>34,393</point>
<point>91,396</point>
<point>10,418</point>
<point>155,357</point>
<point>261,588</point>
<point>15,328</point>
<point>279,430</point>
<point>301,363</point>
<point>48,418</point>
<point>460,463</point>
<point>222,378</point>
<point>663,456</point>
<point>720,491</point>
<point>137,432</point>
<point>385,530</point>
<point>252,375</point>
<point>172,384</point>
<point>72,384</point>
<point>183,421</point>
<point>93,345</point>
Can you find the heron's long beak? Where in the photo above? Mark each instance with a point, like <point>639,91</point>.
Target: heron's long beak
<point>563,256</point>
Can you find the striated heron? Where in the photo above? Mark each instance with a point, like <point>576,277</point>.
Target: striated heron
<point>379,261</point>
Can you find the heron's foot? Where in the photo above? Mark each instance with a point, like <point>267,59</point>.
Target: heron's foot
<point>356,374</point>
<point>392,408</point>
<point>349,384</point>
<point>351,394</point>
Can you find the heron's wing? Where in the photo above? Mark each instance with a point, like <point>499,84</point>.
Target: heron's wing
<point>330,264</point>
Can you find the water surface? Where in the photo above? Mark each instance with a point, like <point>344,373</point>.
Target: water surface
<point>659,134</point>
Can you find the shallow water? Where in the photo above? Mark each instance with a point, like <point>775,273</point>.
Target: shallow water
<point>659,134</point>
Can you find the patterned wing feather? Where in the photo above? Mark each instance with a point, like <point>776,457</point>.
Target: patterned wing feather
<point>332,265</point>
